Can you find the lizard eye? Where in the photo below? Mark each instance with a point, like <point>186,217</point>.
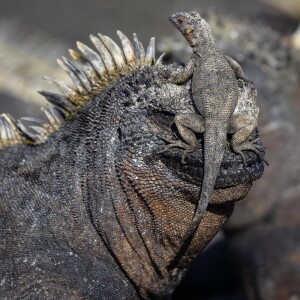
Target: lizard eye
<point>181,19</point>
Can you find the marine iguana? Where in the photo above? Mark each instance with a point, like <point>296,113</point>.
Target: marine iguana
<point>89,209</point>
<point>215,94</point>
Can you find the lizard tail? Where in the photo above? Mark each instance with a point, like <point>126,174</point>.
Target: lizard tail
<point>215,138</point>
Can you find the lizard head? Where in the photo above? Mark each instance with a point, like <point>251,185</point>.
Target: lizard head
<point>191,25</point>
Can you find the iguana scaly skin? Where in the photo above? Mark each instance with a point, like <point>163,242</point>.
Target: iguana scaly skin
<point>215,94</point>
<point>89,209</point>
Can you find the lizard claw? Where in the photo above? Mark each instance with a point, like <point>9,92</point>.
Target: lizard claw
<point>243,157</point>
<point>177,144</point>
<point>252,146</point>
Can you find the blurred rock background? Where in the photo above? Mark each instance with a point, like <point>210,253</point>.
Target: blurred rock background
<point>258,254</point>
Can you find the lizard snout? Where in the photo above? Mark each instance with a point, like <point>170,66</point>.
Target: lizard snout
<point>178,19</point>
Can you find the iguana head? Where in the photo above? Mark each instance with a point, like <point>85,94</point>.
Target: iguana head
<point>194,28</point>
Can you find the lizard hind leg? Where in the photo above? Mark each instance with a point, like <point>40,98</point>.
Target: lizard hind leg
<point>250,145</point>
<point>186,124</point>
<point>242,127</point>
<point>235,66</point>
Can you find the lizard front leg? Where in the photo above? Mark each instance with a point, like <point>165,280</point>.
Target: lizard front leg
<point>181,74</point>
<point>235,66</point>
<point>241,127</point>
<point>186,124</point>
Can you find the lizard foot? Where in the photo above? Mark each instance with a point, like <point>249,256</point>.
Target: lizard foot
<point>177,144</point>
<point>252,146</point>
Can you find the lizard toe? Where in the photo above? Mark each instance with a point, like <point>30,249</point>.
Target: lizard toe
<point>250,146</point>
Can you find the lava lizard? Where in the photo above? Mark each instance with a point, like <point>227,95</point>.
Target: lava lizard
<point>215,93</point>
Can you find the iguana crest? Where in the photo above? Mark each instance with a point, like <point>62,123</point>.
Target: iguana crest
<point>91,70</point>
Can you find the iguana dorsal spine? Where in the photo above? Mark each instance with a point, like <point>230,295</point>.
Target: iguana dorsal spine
<point>90,71</point>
